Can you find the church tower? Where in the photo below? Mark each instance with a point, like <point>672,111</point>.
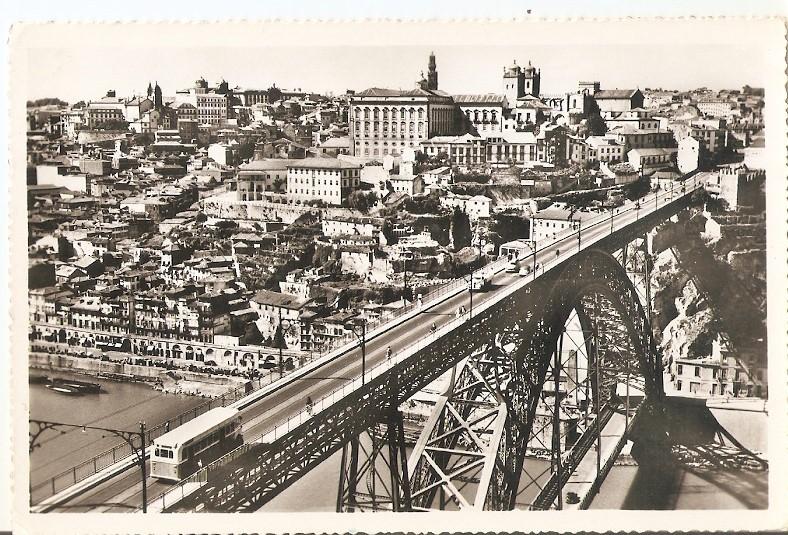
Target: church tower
<point>432,73</point>
<point>150,90</point>
<point>533,80</point>
<point>513,83</point>
<point>158,102</point>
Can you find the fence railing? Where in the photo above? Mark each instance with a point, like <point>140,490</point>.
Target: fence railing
<point>65,479</point>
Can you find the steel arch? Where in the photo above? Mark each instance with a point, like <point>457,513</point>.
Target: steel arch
<point>595,272</point>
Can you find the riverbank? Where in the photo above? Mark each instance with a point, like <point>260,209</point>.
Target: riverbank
<point>167,381</point>
<point>119,405</point>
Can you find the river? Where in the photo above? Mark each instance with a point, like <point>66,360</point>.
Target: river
<point>120,405</point>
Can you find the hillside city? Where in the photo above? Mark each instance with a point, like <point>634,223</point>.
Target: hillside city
<point>246,232</point>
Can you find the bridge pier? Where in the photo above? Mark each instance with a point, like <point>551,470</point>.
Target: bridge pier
<point>370,456</point>
<point>366,461</point>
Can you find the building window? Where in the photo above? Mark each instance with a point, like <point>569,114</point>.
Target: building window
<point>697,371</point>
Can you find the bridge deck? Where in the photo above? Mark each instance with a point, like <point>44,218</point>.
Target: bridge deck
<point>324,383</point>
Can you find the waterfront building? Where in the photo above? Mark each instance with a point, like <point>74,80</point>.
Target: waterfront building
<point>279,311</point>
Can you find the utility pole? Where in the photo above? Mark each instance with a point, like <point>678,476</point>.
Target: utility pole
<point>363,340</point>
<point>470,297</point>
<point>129,437</point>
<point>280,343</point>
<point>142,468</point>
<point>405,276</point>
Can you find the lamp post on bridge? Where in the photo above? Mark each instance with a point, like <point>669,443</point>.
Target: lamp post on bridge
<point>470,294</point>
<point>363,339</point>
<point>283,324</point>
<point>612,215</point>
<point>532,245</point>
<point>128,436</point>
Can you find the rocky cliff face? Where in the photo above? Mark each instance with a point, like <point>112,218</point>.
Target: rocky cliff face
<point>708,283</point>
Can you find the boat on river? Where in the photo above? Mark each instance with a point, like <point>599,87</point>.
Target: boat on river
<point>64,389</point>
<point>82,387</point>
<point>72,386</point>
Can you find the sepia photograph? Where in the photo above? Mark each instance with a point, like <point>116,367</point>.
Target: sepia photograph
<point>402,268</point>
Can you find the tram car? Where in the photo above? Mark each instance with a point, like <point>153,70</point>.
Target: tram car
<point>179,453</point>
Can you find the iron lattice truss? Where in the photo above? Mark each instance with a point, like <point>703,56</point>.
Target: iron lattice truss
<point>491,409</point>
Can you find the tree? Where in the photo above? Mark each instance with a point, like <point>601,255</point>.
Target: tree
<point>423,204</point>
<point>596,125</point>
<point>46,102</point>
<point>388,232</point>
<point>361,200</point>
<point>460,228</point>
<point>638,188</point>
<point>113,124</point>
<point>274,94</point>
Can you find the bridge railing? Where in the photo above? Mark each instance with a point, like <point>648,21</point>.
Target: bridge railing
<point>431,296</point>
<point>287,425</point>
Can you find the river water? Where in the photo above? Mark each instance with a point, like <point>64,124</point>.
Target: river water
<point>119,406</point>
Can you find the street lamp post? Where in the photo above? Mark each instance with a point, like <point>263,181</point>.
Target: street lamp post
<point>612,215</point>
<point>128,436</point>
<point>470,294</point>
<point>363,339</point>
<point>283,323</point>
<point>532,246</point>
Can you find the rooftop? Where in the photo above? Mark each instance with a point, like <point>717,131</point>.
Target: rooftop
<point>488,98</point>
<point>417,92</point>
<point>614,93</point>
<point>266,297</point>
<point>270,164</point>
<point>563,214</point>
<point>322,163</point>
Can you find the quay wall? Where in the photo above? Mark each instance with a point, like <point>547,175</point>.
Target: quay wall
<point>54,362</point>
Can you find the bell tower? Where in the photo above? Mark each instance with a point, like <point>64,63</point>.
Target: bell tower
<point>432,73</point>
<point>513,83</point>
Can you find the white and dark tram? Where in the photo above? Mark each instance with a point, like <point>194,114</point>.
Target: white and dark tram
<point>179,453</point>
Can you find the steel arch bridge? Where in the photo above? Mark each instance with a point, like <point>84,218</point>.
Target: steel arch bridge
<point>494,413</point>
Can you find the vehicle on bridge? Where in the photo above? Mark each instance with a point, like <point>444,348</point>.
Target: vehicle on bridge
<point>512,267</point>
<point>479,282</point>
<point>180,452</point>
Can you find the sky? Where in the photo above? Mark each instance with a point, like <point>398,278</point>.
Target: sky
<point>706,57</point>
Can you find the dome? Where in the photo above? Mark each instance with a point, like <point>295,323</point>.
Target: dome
<point>513,70</point>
